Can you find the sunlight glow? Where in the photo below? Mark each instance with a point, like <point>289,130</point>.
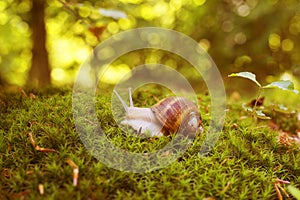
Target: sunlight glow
<point>289,76</point>
<point>131,1</point>
<point>58,74</point>
<point>176,4</point>
<point>286,76</point>
<point>3,18</point>
<point>199,2</point>
<point>114,74</point>
<point>146,11</point>
<point>160,8</point>
<point>66,51</point>
<point>168,19</point>
<point>3,5</point>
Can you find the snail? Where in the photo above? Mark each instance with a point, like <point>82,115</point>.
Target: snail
<point>169,116</point>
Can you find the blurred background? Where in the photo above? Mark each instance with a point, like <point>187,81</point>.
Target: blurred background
<point>45,42</point>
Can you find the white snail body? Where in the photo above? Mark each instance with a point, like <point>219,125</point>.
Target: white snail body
<point>168,116</point>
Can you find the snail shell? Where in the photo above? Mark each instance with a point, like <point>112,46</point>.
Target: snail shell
<point>177,113</point>
<point>168,116</point>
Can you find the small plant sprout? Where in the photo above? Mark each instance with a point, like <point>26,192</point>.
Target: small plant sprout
<point>282,84</point>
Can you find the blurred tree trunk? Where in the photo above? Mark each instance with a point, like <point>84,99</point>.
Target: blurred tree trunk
<point>39,74</point>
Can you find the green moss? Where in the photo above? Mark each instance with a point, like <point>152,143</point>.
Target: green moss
<point>242,165</point>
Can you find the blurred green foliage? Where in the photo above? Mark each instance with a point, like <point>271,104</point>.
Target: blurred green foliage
<point>240,35</point>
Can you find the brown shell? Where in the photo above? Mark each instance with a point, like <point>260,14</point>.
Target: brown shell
<point>173,113</point>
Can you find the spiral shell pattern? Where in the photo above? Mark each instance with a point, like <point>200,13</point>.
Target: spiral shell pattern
<point>174,113</point>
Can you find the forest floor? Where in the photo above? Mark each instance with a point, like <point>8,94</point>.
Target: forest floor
<point>41,151</point>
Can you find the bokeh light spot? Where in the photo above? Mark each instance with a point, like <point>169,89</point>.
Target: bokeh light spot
<point>24,7</point>
<point>160,8</point>
<point>243,10</point>
<point>287,45</point>
<point>154,39</point>
<point>205,44</point>
<point>84,11</point>
<point>274,41</point>
<point>199,2</point>
<point>242,60</point>
<point>146,12</point>
<point>168,20</point>
<point>240,38</point>
<point>124,23</point>
<point>227,26</point>
<point>113,27</point>
<point>175,4</point>
<point>105,53</point>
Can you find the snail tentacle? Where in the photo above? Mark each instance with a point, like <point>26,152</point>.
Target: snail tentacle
<point>121,100</point>
<point>130,97</point>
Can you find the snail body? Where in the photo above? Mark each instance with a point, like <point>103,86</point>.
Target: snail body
<point>168,116</point>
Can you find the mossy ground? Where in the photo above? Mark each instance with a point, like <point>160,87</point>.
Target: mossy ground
<point>243,164</point>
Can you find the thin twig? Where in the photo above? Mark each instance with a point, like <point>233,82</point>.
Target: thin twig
<point>70,9</point>
<point>278,187</point>
<point>38,148</point>
<point>278,191</point>
<point>226,187</point>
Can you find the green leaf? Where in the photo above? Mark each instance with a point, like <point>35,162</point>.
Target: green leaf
<point>261,115</point>
<point>283,109</point>
<point>294,191</point>
<point>284,85</point>
<point>247,75</point>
